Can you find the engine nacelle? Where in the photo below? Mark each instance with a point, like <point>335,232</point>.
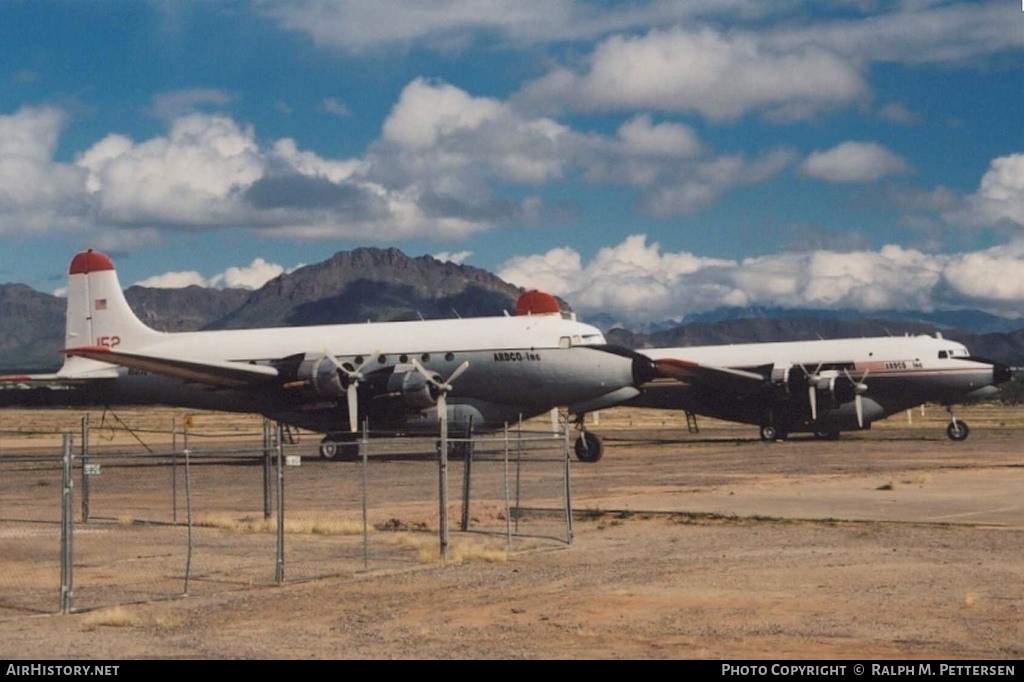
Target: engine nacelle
<point>781,380</point>
<point>322,376</point>
<point>414,388</point>
<point>834,390</point>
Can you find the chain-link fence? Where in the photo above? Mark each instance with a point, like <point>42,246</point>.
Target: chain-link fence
<point>109,514</point>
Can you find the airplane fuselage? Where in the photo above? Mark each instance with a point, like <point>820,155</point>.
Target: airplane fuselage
<point>897,373</point>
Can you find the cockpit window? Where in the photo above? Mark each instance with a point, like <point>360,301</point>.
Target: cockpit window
<point>565,342</point>
<point>943,354</point>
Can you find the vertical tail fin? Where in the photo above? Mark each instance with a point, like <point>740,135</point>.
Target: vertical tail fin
<point>98,313</point>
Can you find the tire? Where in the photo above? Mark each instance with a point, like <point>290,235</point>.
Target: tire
<point>589,448</point>
<point>770,433</point>
<point>329,449</point>
<point>339,450</point>
<point>958,431</point>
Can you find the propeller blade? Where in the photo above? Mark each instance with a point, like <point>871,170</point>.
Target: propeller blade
<point>858,403</point>
<point>442,386</point>
<point>422,370</point>
<point>354,376</point>
<point>458,370</point>
<point>352,393</point>
<point>812,394</point>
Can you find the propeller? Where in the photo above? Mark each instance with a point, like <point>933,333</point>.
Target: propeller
<point>442,387</point>
<point>354,376</point>
<point>859,388</point>
<point>812,389</point>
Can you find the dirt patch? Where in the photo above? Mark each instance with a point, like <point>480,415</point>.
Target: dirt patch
<point>890,543</point>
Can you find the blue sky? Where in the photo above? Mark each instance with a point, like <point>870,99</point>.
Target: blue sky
<point>645,159</point>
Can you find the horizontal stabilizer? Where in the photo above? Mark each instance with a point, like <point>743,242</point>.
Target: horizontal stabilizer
<point>221,374</point>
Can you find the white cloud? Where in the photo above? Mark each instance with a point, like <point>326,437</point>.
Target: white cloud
<point>37,193</point>
<point>1000,196</point>
<point>909,32</point>
<point>252,276</point>
<point>190,177</point>
<point>718,75</point>
<point>854,162</point>
<point>637,282</point>
<point>996,275</point>
<point>641,137</point>
<point>179,103</point>
<point>458,257</point>
<point>174,280</point>
<point>335,106</point>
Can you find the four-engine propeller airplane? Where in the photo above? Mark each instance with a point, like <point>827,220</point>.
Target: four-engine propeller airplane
<point>820,387</point>
<point>400,376</point>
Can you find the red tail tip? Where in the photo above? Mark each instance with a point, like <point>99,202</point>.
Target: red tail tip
<point>90,261</point>
<point>537,303</point>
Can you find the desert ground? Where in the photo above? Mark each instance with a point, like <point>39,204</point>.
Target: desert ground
<point>893,543</point>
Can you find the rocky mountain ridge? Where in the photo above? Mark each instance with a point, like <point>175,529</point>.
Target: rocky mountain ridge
<point>385,284</point>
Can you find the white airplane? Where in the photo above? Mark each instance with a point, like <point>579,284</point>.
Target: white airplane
<point>820,387</point>
<point>399,376</point>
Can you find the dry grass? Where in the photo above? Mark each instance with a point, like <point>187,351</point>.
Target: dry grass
<point>115,616</point>
<point>321,523</point>
<point>460,550</point>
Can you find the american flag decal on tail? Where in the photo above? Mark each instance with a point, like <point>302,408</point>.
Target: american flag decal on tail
<point>99,304</point>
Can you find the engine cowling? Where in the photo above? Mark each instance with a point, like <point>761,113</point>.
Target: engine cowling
<point>414,389</point>
<point>834,390</point>
<point>323,376</point>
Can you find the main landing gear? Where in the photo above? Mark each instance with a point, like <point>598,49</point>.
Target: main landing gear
<point>340,447</point>
<point>589,447</point>
<point>771,433</point>
<point>957,430</point>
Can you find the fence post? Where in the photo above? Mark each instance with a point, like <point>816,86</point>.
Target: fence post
<point>568,483</point>
<point>85,466</point>
<point>364,452</point>
<point>508,511</point>
<point>188,511</point>
<point>279,571</point>
<point>67,535</point>
<point>266,469</point>
<point>442,472</point>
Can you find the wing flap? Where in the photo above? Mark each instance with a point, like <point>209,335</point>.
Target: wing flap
<point>217,373</point>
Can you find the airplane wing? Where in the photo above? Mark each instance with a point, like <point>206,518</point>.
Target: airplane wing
<point>736,381</point>
<point>220,374</point>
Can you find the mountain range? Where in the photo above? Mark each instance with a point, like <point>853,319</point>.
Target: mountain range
<point>370,284</point>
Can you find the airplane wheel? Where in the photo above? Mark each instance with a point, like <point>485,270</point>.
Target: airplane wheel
<point>771,433</point>
<point>589,448</point>
<point>339,451</point>
<point>329,449</point>
<point>958,430</point>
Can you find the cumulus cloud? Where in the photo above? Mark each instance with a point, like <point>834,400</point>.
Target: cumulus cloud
<point>1000,196</point>
<point>37,193</point>
<point>174,280</point>
<point>718,75</point>
<point>638,282</point>
<point>854,162</point>
<point>210,172</point>
<point>252,276</point>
